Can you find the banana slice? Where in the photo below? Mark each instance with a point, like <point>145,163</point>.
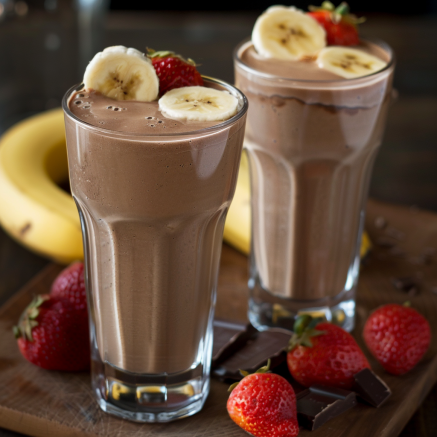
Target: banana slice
<point>348,63</point>
<point>198,103</point>
<point>122,73</point>
<point>287,33</point>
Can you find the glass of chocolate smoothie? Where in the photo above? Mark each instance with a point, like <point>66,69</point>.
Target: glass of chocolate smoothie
<point>314,127</point>
<point>152,193</point>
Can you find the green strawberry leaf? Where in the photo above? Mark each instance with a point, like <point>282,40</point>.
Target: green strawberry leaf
<point>264,369</point>
<point>304,330</point>
<point>233,386</point>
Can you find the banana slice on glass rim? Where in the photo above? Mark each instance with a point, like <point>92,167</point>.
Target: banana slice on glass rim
<point>287,33</point>
<point>348,63</point>
<point>122,73</point>
<point>198,103</point>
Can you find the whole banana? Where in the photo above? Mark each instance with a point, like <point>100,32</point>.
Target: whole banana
<point>43,217</point>
<point>33,209</point>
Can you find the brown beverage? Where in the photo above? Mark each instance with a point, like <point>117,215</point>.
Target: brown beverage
<point>153,193</point>
<point>311,139</point>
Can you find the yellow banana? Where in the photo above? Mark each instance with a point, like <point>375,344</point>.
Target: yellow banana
<point>33,209</point>
<point>43,217</point>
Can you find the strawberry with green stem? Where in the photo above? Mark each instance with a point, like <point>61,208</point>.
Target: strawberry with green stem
<point>340,25</point>
<point>54,335</point>
<point>323,353</point>
<point>264,404</point>
<point>174,71</point>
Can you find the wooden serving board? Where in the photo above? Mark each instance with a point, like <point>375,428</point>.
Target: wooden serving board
<point>54,404</point>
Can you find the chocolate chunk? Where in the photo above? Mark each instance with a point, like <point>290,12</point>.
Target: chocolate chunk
<point>229,337</point>
<point>254,354</point>
<point>318,404</point>
<point>406,284</point>
<point>371,388</point>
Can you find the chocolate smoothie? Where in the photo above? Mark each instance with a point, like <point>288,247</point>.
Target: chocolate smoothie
<point>311,139</point>
<point>153,195</point>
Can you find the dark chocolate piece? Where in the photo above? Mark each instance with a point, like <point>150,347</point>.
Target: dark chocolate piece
<point>254,354</point>
<point>371,388</point>
<point>229,337</point>
<point>318,404</point>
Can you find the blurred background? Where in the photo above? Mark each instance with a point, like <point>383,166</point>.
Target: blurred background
<point>46,44</point>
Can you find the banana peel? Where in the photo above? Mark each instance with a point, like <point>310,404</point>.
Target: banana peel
<point>37,213</point>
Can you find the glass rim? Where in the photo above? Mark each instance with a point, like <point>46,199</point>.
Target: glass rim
<point>273,77</point>
<point>217,127</point>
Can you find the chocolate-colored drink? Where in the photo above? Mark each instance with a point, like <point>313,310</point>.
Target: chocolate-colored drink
<point>153,193</point>
<point>311,139</point>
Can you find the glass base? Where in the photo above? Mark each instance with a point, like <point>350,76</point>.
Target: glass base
<point>268,311</point>
<point>149,398</point>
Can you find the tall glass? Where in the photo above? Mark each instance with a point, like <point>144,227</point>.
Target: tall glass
<point>311,145</point>
<point>152,210</point>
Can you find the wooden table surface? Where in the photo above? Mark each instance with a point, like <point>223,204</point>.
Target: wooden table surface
<point>405,170</point>
<point>57,404</point>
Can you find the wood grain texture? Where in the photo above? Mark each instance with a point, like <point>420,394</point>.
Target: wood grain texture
<point>55,404</point>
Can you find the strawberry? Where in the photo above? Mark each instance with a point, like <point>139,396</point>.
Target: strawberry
<point>70,285</point>
<point>174,71</point>
<point>54,335</point>
<point>339,24</point>
<point>323,353</point>
<point>398,336</point>
<point>264,404</point>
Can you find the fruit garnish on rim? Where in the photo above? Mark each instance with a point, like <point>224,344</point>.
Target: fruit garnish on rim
<point>319,38</point>
<point>183,95</point>
<point>198,103</point>
<point>287,33</point>
<point>322,353</point>
<point>348,62</point>
<point>122,73</point>
<point>340,25</point>
<point>264,404</point>
<point>174,71</point>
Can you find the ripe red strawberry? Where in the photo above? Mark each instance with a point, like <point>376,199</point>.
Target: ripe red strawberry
<point>54,335</point>
<point>323,353</point>
<point>264,405</point>
<point>340,25</point>
<point>398,336</point>
<point>70,285</point>
<point>174,71</point>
